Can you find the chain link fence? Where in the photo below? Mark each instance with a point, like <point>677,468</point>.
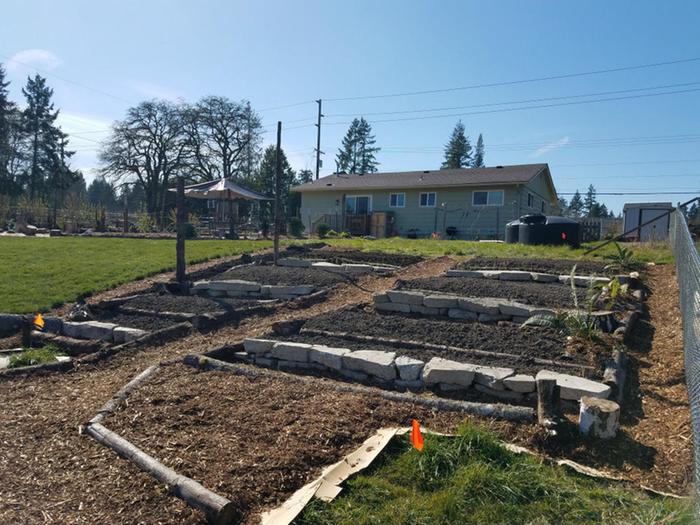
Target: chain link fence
<point>688,274</point>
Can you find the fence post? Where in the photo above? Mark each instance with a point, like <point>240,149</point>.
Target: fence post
<point>181,218</point>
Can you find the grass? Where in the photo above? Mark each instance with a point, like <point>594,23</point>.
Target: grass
<point>472,479</point>
<point>35,356</point>
<point>37,274</point>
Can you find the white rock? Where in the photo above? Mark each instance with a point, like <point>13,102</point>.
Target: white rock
<point>405,297</point>
<point>288,351</point>
<point>573,387</point>
<point>372,362</point>
<point>492,376</point>
<point>90,330</point>
<point>258,346</point>
<point>409,368</point>
<point>440,301</point>
<point>124,334</point>
<point>522,383</point>
<point>328,356</point>
<point>439,370</point>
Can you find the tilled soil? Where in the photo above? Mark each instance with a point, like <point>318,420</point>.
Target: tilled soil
<point>508,337</point>
<point>356,256</point>
<point>522,364</point>
<point>554,295</point>
<point>186,303</point>
<point>283,275</point>
<point>143,322</point>
<point>555,266</point>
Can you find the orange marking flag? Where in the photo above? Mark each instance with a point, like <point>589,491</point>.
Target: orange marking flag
<point>39,321</point>
<point>416,436</point>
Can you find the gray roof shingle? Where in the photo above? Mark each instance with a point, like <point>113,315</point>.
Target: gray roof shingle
<point>518,174</point>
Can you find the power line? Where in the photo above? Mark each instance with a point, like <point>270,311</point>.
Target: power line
<point>692,192</point>
<point>521,81</point>
<point>631,163</point>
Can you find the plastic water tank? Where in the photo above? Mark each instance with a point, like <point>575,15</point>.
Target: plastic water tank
<point>512,231</point>
<point>553,230</point>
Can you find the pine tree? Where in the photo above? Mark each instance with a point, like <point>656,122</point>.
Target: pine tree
<point>357,153</point>
<point>563,205</point>
<point>265,180</point>
<point>458,149</point>
<point>693,211</point>
<point>478,161</point>
<point>9,138</point>
<point>589,201</point>
<point>576,205</point>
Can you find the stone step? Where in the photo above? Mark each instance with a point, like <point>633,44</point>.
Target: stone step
<point>574,387</point>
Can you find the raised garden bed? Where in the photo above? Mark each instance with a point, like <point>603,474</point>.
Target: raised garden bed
<point>553,266</point>
<point>353,256</point>
<point>282,275</point>
<point>192,304</point>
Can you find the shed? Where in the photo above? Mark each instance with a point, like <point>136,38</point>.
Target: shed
<point>637,213</point>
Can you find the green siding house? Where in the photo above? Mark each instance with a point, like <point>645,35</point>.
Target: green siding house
<point>469,203</point>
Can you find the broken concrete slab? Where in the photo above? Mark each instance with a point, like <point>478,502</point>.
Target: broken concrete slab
<point>416,384</point>
<point>514,275</point>
<point>354,375</point>
<point>544,277</point>
<point>405,297</point>
<point>424,310</point>
<point>505,395</point>
<point>228,285</point>
<point>439,370</point>
<point>393,307</point>
<point>583,280</point>
<point>357,268</point>
<point>440,301</point>
<point>124,334</point>
<point>516,309</point>
<point>373,362</point>
<point>289,351</point>
<point>492,376</point>
<point>522,383</point>
<point>458,313</point>
<point>379,297</point>
<point>328,356</point>
<point>90,330</point>
<point>409,368</point>
<point>481,305</point>
<point>574,387</point>
<point>258,346</point>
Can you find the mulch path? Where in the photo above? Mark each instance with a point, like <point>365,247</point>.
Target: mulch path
<point>555,266</point>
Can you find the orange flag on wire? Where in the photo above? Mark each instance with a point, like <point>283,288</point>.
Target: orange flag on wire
<point>416,436</point>
<point>39,321</point>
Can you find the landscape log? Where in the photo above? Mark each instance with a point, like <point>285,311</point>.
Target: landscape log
<point>548,401</point>
<point>26,333</point>
<point>181,218</point>
<point>113,404</point>
<point>599,417</point>
<point>217,509</point>
<point>494,410</point>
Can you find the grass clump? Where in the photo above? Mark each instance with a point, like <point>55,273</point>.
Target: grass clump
<point>35,356</point>
<point>473,479</point>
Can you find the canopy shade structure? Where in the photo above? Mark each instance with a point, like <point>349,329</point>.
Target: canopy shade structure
<point>222,189</point>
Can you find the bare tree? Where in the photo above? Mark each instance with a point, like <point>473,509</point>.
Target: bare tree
<point>150,146</point>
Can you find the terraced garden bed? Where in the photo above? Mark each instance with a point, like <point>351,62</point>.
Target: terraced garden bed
<point>554,266</point>
<point>353,256</point>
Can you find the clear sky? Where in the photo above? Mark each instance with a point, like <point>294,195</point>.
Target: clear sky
<point>103,56</point>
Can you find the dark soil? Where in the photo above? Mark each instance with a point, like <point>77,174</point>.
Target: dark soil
<point>555,266</point>
<point>187,303</point>
<point>284,275</point>
<point>507,338</point>
<point>554,295</point>
<point>523,364</point>
<point>143,322</point>
<point>356,256</point>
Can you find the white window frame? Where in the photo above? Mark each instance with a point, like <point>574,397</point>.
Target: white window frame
<point>487,192</point>
<point>427,199</point>
<point>397,194</point>
<point>369,203</point>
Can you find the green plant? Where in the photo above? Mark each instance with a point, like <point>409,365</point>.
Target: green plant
<point>622,259</point>
<point>332,233</point>
<point>145,222</point>
<point>345,235</point>
<point>323,229</point>
<point>35,356</point>
<point>296,227</point>
<point>190,231</point>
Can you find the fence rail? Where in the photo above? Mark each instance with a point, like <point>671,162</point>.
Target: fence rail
<point>688,275</point>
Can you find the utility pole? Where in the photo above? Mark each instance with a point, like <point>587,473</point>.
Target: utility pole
<point>278,191</point>
<point>318,139</point>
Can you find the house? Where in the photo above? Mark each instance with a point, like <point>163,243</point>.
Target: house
<point>467,203</point>
<point>639,213</point>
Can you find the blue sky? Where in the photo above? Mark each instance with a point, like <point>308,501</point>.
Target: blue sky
<point>101,57</point>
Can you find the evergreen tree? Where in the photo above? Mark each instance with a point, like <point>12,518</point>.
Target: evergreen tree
<point>265,181</point>
<point>693,211</point>
<point>589,202</point>
<point>357,153</point>
<point>303,176</point>
<point>576,205</point>
<point>478,161</point>
<point>458,149</point>
<point>563,206</point>
<point>101,193</point>
<point>10,140</point>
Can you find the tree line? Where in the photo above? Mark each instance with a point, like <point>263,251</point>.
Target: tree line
<point>585,206</point>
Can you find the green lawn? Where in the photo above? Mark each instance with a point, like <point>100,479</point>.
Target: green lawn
<point>37,274</point>
<point>472,479</point>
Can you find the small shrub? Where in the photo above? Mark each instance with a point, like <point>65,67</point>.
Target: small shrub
<point>34,356</point>
<point>332,233</point>
<point>296,227</point>
<point>323,229</point>
<point>190,231</point>
<point>345,235</point>
<point>622,260</point>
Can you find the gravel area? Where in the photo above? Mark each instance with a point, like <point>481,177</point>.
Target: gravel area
<point>554,295</point>
<point>555,266</point>
<point>283,275</point>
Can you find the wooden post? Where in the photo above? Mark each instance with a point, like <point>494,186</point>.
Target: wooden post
<point>126,209</point>
<point>278,191</point>
<point>26,332</point>
<point>180,274</point>
<point>548,411</point>
<point>599,417</point>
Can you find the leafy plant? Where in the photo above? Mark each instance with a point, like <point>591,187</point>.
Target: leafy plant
<point>35,356</point>
<point>622,259</point>
<point>332,233</point>
<point>296,227</point>
<point>345,235</point>
<point>323,229</point>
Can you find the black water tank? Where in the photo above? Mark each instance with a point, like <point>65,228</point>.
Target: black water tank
<point>553,230</point>
<point>512,229</point>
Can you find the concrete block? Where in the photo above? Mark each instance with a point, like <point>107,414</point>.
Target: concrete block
<point>522,383</point>
<point>294,263</point>
<point>573,387</point>
<point>233,285</point>
<point>544,277</point>
<point>424,310</point>
<point>492,376</point>
<point>284,291</point>
<point>53,325</point>
<point>123,334</point>
<point>416,384</point>
<point>449,387</point>
<point>267,362</point>
<point>514,275</point>
<point>329,267</point>
<point>90,330</point>
<point>354,375</point>
<point>372,362</point>
<point>505,395</point>
<point>288,351</point>
<point>393,307</point>
<point>265,290</point>
<point>216,293</point>
<point>258,346</point>
<point>409,368</point>
<point>458,313</point>
<point>439,370</point>
<point>327,356</point>
<point>515,309</point>
<point>480,305</point>
<point>379,298</point>
<point>518,319</point>
<point>405,297</point>
<point>292,365</point>
<point>440,301</point>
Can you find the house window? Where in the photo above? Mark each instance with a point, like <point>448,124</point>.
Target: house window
<point>397,200</point>
<point>358,204</point>
<point>487,198</point>
<point>542,206</point>
<point>427,199</point>
<point>530,200</point>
